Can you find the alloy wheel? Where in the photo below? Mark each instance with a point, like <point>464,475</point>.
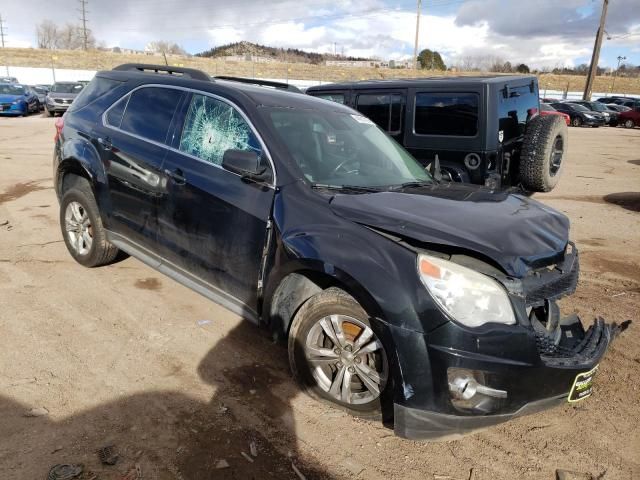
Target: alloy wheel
<point>346,359</point>
<point>78,228</point>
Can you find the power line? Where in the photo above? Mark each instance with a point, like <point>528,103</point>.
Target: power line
<point>2,34</point>
<point>83,3</point>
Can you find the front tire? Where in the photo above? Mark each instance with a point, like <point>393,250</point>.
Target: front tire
<point>336,356</point>
<point>629,123</point>
<point>81,225</point>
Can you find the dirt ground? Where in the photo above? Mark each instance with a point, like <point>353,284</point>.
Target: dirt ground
<point>123,356</point>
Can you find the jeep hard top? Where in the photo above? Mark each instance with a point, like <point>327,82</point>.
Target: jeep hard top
<point>483,130</point>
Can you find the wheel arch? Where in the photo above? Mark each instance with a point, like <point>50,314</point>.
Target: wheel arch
<point>294,288</point>
<point>67,168</point>
<point>79,157</point>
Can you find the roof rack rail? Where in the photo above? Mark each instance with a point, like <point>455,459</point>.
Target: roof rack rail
<point>165,69</point>
<point>262,83</point>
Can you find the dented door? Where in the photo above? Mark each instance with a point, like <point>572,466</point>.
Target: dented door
<point>213,222</point>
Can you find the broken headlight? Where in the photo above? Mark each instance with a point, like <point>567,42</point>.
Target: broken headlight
<point>469,297</point>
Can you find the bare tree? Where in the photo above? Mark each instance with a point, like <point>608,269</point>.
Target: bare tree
<point>69,37</point>
<point>47,34</point>
<point>162,46</point>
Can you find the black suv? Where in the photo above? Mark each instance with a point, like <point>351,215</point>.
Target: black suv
<point>429,303</point>
<point>482,130</point>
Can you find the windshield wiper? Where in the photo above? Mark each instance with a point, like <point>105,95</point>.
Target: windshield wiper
<point>402,186</point>
<point>350,188</point>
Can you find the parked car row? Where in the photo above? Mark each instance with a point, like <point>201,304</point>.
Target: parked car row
<point>592,113</point>
<point>17,99</point>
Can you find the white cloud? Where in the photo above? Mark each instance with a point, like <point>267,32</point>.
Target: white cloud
<point>224,35</point>
<point>292,35</point>
<point>541,33</point>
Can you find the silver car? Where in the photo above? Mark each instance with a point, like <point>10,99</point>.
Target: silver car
<point>60,96</point>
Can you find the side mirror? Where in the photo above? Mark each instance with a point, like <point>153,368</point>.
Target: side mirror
<point>245,163</point>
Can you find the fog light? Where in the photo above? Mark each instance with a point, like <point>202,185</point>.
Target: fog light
<point>469,391</point>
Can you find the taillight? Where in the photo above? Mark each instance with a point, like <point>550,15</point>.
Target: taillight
<point>59,124</point>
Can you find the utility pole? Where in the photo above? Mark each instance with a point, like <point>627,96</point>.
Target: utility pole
<point>83,3</point>
<point>615,74</point>
<point>593,68</point>
<point>2,34</point>
<point>415,47</point>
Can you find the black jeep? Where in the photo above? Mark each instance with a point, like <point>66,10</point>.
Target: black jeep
<point>483,130</point>
<point>432,302</point>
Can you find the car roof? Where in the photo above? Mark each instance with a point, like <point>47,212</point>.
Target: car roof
<point>255,94</point>
<point>420,82</point>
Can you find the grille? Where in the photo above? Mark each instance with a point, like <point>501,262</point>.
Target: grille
<point>589,347</point>
<point>553,285</point>
<point>5,105</point>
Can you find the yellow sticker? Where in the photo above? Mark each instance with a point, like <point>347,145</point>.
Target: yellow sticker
<point>582,386</point>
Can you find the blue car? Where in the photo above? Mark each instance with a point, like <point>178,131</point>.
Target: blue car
<point>16,99</point>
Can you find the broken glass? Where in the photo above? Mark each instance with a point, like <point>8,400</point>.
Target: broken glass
<point>212,127</point>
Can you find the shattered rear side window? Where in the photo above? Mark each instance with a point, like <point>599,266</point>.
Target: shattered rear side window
<point>212,127</point>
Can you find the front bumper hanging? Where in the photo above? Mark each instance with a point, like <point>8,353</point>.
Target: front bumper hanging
<point>567,352</point>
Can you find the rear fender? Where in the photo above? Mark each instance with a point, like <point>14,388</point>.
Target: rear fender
<point>79,157</point>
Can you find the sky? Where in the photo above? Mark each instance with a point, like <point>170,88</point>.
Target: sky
<point>541,33</point>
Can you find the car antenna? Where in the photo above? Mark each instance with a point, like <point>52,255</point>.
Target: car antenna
<point>435,169</point>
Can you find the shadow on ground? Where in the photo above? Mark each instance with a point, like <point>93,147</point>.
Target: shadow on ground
<point>170,435</point>
<point>626,200</point>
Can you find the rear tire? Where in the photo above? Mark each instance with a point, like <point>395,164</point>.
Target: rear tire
<point>81,226</point>
<point>543,151</point>
<point>629,123</point>
<point>321,364</point>
<point>576,122</point>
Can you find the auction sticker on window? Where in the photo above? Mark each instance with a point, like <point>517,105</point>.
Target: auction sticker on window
<point>582,385</point>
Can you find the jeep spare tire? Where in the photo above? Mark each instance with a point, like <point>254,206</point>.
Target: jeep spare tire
<point>544,149</point>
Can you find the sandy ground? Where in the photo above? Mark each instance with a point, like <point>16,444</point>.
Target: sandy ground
<point>123,356</point>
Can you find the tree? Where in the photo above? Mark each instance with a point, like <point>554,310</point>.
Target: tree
<point>162,46</point>
<point>523,68</point>
<point>431,60</point>
<point>47,34</point>
<point>70,37</point>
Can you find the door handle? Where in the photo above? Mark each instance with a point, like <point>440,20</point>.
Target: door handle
<point>105,143</point>
<point>176,175</point>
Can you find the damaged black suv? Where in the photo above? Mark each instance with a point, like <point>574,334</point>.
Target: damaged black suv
<point>431,304</point>
<point>481,130</point>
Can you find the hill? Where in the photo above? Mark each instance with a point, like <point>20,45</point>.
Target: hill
<point>98,60</point>
<point>292,55</point>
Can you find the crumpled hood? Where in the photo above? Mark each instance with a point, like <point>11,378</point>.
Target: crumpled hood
<point>514,231</point>
<point>6,98</point>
